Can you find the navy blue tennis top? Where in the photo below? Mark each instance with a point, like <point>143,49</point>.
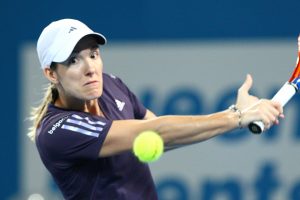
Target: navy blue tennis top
<point>69,143</point>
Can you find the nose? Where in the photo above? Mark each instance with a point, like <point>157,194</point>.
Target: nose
<point>90,67</point>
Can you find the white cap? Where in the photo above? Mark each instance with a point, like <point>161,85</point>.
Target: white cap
<point>59,38</point>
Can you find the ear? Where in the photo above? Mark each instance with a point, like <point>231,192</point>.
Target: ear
<point>51,75</point>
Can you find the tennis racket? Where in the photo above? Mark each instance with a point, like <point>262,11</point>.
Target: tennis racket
<point>286,92</point>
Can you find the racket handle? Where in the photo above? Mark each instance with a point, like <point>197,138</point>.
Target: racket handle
<point>285,93</point>
<point>256,127</point>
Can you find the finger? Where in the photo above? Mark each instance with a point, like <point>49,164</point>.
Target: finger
<point>267,120</point>
<point>247,84</point>
<point>272,112</point>
<point>279,109</point>
<point>271,116</point>
<point>278,106</point>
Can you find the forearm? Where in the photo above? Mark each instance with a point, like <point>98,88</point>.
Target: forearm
<point>183,130</point>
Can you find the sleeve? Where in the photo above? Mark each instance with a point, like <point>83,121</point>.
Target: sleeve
<point>75,137</point>
<point>139,108</point>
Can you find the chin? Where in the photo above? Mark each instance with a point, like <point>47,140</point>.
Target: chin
<point>93,96</point>
<point>89,98</point>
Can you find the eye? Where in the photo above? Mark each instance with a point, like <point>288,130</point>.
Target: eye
<point>94,53</point>
<point>72,60</point>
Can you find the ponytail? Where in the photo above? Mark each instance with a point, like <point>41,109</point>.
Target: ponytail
<point>37,113</point>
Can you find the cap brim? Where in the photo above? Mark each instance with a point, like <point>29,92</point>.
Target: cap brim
<point>100,38</point>
<point>68,48</point>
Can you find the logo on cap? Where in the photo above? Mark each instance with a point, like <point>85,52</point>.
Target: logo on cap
<point>72,29</point>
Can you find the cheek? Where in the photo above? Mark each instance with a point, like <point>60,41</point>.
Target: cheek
<point>69,79</point>
<point>100,64</point>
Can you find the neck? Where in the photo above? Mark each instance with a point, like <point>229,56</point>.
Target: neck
<point>90,106</point>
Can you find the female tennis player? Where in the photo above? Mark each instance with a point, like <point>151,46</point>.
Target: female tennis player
<point>85,126</point>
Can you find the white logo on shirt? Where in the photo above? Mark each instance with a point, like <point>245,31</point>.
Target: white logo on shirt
<point>56,125</point>
<point>113,76</point>
<point>120,104</point>
<point>84,125</point>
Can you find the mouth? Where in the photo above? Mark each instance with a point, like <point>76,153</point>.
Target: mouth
<point>91,83</point>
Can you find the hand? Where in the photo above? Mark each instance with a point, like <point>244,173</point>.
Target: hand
<point>264,110</point>
<point>253,109</point>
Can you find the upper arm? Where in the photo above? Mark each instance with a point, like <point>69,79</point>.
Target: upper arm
<point>122,133</point>
<point>73,137</point>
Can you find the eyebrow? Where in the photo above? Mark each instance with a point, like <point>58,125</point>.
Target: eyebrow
<point>75,51</point>
<point>92,47</point>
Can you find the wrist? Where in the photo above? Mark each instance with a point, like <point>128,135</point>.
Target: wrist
<point>235,109</point>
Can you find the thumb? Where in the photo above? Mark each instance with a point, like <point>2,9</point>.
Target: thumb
<point>247,84</point>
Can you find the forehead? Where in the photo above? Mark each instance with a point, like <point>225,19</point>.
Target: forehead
<point>85,43</point>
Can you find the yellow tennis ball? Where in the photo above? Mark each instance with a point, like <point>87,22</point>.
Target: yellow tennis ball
<point>148,146</point>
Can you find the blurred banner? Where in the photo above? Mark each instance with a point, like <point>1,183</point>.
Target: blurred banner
<point>192,78</point>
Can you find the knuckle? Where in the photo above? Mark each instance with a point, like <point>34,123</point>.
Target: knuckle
<point>265,101</point>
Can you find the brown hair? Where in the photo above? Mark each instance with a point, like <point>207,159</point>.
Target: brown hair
<point>37,113</point>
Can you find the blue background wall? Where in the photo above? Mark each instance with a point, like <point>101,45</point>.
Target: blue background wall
<point>22,21</point>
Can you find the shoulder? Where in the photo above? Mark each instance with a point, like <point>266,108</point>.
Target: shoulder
<point>60,125</point>
<point>71,134</point>
<point>111,78</point>
<point>57,119</point>
<point>114,82</point>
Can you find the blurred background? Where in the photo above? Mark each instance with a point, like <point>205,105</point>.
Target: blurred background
<point>179,57</point>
